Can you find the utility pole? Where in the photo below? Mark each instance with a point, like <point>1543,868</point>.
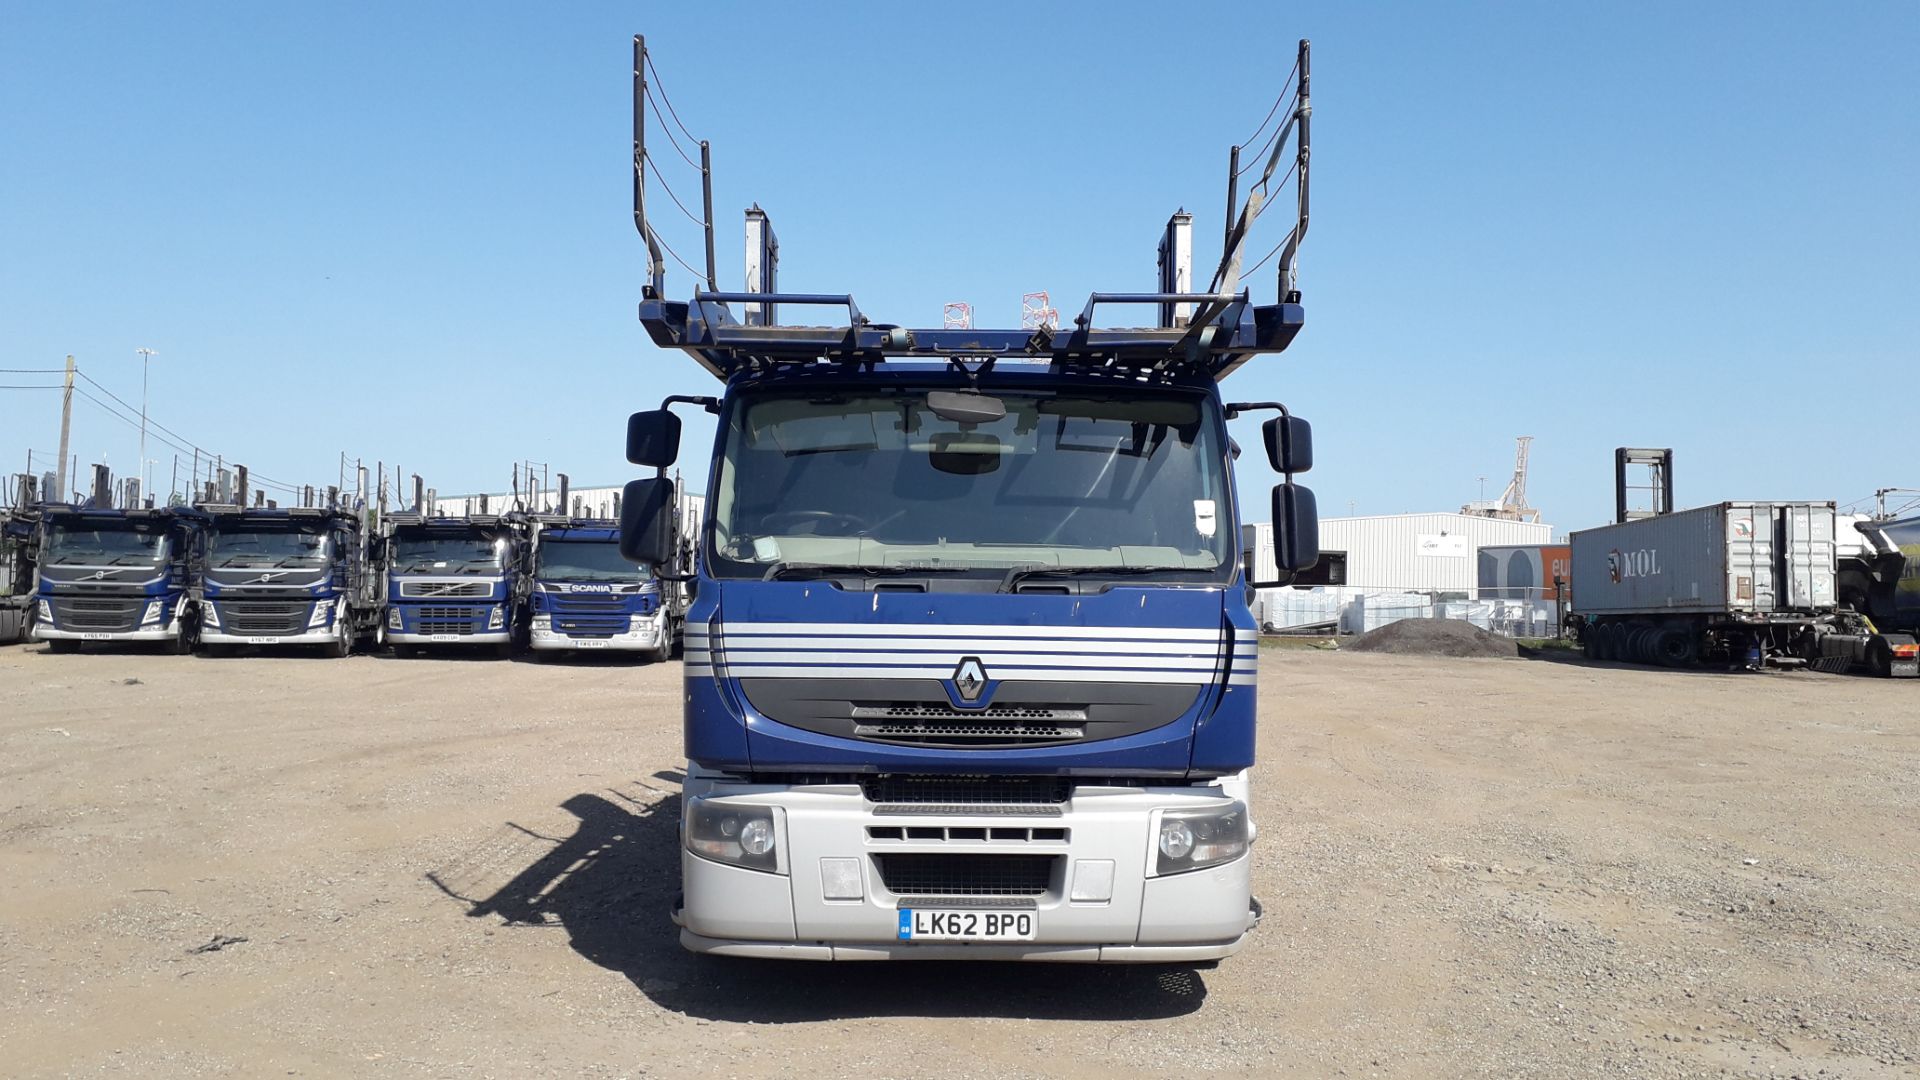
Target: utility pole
<point>146,354</point>
<point>66,427</point>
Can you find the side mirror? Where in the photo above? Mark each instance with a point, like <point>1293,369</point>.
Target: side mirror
<point>1296,528</point>
<point>646,522</point>
<point>653,438</point>
<point>1289,444</point>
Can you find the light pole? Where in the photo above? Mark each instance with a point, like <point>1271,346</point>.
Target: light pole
<point>146,354</point>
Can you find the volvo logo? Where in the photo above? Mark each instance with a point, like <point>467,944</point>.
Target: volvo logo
<point>265,578</point>
<point>970,678</point>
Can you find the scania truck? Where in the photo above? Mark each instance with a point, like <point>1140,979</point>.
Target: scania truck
<point>454,582</point>
<point>586,595</point>
<point>116,576</point>
<point>970,670</point>
<point>299,576</point>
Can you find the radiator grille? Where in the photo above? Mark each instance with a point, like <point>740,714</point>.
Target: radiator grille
<point>591,625</point>
<point>262,617</point>
<point>908,874</point>
<point>922,710</point>
<point>940,834</point>
<point>437,590</point>
<point>109,614</point>
<point>962,734</point>
<point>967,790</point>
<point>449,620</point>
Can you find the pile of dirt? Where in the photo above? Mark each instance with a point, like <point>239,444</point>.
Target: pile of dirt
<point>1433,637</point>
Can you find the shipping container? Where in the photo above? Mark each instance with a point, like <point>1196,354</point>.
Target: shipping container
<point>1525,571</point>
<point>1746,559</point>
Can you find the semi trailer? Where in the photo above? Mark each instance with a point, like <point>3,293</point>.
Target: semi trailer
<point>454,582</point>
<point>970,669</point>
<point>1742,583</point>
<point>297,576</point>
<point>116,576</point>
<point>587,595</point>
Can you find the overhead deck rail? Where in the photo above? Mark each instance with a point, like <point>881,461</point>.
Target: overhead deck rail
<point>1210,331</point>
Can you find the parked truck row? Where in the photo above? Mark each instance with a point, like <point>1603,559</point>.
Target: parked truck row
<point>219,577</point>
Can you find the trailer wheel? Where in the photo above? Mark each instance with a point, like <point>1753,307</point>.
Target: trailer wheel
<point>1607,639</point>
<point>1675,647</point>
<point>1589,643</point>
<point>1646,645</point>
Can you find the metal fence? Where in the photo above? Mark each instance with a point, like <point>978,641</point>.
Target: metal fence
<point>1356,610</point>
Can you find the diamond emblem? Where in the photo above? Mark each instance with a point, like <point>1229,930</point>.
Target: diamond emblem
<point>970,678</point>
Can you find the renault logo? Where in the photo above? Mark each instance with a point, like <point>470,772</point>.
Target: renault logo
<point>970,678</point>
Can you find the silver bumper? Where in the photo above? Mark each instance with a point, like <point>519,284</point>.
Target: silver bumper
<point>644,637</point>
<point>490,637</point>
<point>319,636</point>
<point>43,632</point>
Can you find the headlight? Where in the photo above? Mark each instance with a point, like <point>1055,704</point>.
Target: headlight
<point>496,617</point>
<point>209,614</point>
<point>1193,839</point>
<point>739,835</point>
<point>46,612</point>
<point>543,622</point>
<point>319,616</point>
<point>152,614</point>
<point>393,618</point>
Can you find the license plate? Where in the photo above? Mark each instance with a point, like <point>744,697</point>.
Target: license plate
<point>443,637</point>
<point>96,637</point>
<point>261,640</point>
<point>591,644</point>
<point>928,924</point>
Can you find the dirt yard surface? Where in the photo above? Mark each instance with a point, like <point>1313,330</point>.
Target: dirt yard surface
<point>298,867</point>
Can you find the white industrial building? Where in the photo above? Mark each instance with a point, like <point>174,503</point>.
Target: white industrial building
<point>1404,566</point>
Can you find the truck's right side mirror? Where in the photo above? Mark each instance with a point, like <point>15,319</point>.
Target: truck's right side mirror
<point>646,522</point>
<point>1296,528</point>
<point>653,438</point>
<point>1289,445</point>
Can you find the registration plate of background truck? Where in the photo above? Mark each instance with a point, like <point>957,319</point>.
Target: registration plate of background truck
<point>934,924</point>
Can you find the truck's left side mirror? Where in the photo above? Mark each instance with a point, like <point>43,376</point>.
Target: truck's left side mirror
<point>653,438</point>
<point>1289,444</point>
<point>646,522</point>
<point>1296,528</point>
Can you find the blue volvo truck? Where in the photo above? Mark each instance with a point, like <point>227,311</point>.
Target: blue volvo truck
<point>970,671</point>
<point>298,576</point>
<point>586,595</point>
<point>116,576</point>
<point>454,582</point>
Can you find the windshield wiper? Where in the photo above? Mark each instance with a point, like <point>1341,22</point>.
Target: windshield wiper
<point>782,570</point>
<point>115,561</point>
<point>1018,574</point>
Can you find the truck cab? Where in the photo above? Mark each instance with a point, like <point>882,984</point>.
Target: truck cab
<point>454,582</point>
<point>19,556</point>
<point>970,671</point>
<point>586,595</point>
<point>115,576</point>
<point>284,577</point>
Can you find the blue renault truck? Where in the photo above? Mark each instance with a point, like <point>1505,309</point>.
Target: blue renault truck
<point>116,576</point>
<point>300,576</point>
<point>970,671</point>
<point>586,595</point>
<point>454,582</point>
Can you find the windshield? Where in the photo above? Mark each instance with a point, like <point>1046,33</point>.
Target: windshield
<point>474,553</point>
<point>276,547</point>
<point>876,479</point>
<point>586,560</point>
<point>88,545</point>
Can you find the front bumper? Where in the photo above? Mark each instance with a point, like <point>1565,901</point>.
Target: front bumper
<point>643,637</point>
<point>169,632</point>
<point>485,637</point>
<point>1188,917</point>
<point>319,636</point>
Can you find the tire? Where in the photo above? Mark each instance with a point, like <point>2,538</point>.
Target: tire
<point>1640,651</point>
<point>1612,640</point>
<point>342,643</point>
<point>63,645</point>
<point>181,645</point>
<point>1589,643</point>
<point>1675,647</point>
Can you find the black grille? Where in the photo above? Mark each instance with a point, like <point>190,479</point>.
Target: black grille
<point>430,590</point>
<point>922,710</point>
<point>263,617</point>
<point>449,620</point>
<point>591,625</point>
<point>98,613</point>
<point>585,601</point>
<point>967,790</point>
<point>967,734</point>
<point>966,875</point>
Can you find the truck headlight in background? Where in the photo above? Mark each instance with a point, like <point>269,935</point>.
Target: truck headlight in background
<point>496,617</point>
<point>1198,838</point>
<point>209,615</point>
<point>319,616</point>
<point>393,618</point>
<point>46,613</point>
<point>738,835</point>
<point>152,614</point>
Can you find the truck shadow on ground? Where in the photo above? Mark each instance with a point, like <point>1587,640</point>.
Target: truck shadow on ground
<point>610,885</point>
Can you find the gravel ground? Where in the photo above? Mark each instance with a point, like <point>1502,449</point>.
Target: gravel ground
<point>290,866</point>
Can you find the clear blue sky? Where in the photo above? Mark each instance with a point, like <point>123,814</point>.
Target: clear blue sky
<point>403,231</point>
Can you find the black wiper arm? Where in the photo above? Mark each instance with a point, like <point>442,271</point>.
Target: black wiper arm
<point>1018,574</point>
<point>782,570</point>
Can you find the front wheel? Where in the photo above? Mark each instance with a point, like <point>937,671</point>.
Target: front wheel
<point>182,644</point>
<point>342,642</point>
